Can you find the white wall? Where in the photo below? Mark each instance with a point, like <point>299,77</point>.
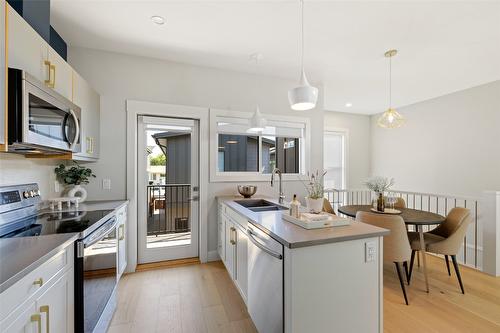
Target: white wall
<point>119,77</point>
<point>16,169</point>
<point>449,145</point>
<point>359,154</point>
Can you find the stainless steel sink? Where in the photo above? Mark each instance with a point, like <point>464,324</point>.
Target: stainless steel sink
<point>260,205</point>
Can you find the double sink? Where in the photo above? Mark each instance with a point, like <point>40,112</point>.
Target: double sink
<point>260,205</point>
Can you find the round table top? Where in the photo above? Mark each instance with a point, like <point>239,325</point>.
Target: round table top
<point>410,216</point>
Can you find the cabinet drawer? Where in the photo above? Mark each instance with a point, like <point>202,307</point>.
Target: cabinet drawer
<point>30,284</point>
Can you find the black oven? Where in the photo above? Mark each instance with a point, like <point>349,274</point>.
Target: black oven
<point>39,119</point>
<point>96,278</point>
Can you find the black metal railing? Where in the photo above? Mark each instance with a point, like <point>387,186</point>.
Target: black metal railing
<point>472,248</point>
<point>168,208</point>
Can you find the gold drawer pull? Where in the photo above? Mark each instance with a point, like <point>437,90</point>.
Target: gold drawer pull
<point>53,82</point>
<point>36,318</point>
<point>38,281</point>
<point>45,309</point>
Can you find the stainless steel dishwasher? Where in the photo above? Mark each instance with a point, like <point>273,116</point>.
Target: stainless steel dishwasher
<point>265,281</point>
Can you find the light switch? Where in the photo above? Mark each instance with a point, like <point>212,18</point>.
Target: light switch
<point>106,184</point>
<point>57,187</point>
<point>370,251</point>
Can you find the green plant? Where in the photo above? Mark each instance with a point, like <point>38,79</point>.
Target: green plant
<point>75,175</point>
<point>158,160</point>
<point>314,185</point>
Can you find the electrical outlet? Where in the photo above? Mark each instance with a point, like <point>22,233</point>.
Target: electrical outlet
<point>370,251</point>
<point>106,184</point>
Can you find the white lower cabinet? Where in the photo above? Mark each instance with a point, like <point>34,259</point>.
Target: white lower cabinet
<point>43,300</point>
<point>241,262</point>
<point>233,247</point>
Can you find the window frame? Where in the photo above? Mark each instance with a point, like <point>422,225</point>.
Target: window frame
<point>235,176</point>
<point>345,158</point>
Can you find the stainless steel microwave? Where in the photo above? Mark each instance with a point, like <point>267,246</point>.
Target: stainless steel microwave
<point>39,119</point>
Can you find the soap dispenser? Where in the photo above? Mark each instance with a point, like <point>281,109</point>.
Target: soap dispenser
<point>294,207</point>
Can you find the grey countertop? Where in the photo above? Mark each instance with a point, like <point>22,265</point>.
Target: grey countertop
<point>20,256</point>
<point>294,236</point>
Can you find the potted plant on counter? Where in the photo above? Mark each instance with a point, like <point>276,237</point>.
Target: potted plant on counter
<point>379,185</point>
<point>315,191</point>
<point>74,177</point>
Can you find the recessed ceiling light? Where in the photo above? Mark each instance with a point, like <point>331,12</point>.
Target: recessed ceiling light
<point>158,19</point>
<point>348,105</point>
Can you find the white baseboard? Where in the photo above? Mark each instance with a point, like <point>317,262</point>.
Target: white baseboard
<point>213,256</point>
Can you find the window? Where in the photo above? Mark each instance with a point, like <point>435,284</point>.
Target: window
<point>334,159</point>
<point>238,152</point>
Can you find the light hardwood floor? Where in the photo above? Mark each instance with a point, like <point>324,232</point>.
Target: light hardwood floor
<point>191,298</point>
<point>202,298</point>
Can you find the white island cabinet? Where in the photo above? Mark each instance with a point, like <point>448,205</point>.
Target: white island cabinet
<point>295,280</point>
<point>43,300</point>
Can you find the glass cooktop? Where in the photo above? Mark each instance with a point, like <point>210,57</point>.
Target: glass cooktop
<point>57,223</point>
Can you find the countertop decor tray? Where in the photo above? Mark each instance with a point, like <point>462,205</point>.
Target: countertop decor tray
<point>332,221</point>
<point>389,211</point>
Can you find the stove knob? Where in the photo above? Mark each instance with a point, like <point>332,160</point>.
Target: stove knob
<point>32,194</point>
<point>26,195</point>
<point>37,193</point>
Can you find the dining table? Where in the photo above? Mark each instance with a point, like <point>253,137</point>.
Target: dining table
<point>411,217</point>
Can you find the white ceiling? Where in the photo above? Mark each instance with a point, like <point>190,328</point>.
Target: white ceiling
<point>443,46</point>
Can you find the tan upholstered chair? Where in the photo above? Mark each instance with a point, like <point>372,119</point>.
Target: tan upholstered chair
<point>446,239</point>
<point>327,207</point>
<point>396,245</point>
<point>400,202</point>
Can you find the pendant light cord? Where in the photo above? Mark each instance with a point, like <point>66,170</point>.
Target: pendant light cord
<point>390,82</point>
<point>302,34</point>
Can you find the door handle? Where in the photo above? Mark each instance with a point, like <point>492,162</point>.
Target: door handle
<point>36,318</point>
<point>45,309</point>
<point>121,232</point>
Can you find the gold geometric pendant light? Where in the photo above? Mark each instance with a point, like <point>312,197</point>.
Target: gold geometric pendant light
<point>390,118</point>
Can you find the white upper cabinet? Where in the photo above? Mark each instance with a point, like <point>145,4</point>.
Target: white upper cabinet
<point>27,50</point>
<point>89,101</point>
<point>61,74</point>
<point>3,138</point>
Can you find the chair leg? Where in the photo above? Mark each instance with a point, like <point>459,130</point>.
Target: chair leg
<point>455,264</point>
<point>411,265</point>
<point>401,282</point>
<point>418,259</point>
<point>447,264</point>
<point>407,273</point>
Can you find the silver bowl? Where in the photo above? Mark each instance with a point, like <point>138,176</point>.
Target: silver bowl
<point>247,190</point>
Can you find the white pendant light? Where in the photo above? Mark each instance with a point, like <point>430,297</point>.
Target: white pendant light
<point>390,118</point>
<point>305,96</point>
<point>257,122</point>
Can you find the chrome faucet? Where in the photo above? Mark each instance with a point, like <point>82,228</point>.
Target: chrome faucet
<point>278,171</point>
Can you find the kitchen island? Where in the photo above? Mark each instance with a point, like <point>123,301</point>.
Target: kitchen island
<point>298,280</point>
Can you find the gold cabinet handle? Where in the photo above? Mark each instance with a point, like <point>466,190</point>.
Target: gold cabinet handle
<point>53,69</point>
<point>38,282</point>
<point>45,309</point>
<point>231,240</point>
<point>48,82</point>
<point>121,232</point>
<point>36,318</point>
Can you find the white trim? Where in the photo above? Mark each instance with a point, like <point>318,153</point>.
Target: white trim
<point>134,109</point>
<point>291,121</point>
<point>345,132</point>
<point>213,256</point>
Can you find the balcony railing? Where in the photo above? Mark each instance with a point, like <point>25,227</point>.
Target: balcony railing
<point>168,208</point>
<point>472,249</point>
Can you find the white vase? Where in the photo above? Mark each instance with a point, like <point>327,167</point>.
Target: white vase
<point>78,191</point>
<point>314,205</point>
